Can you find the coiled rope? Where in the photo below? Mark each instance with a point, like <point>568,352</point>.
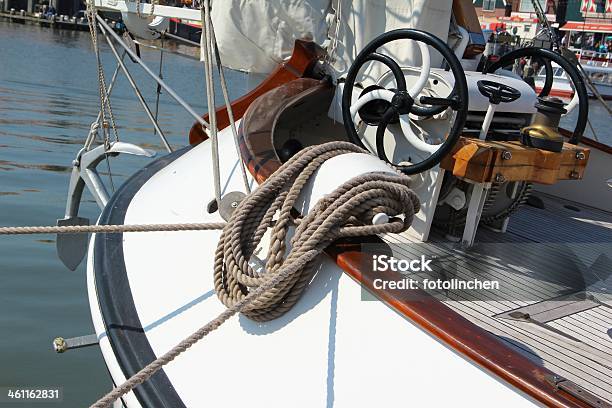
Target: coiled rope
<point>346,212</point>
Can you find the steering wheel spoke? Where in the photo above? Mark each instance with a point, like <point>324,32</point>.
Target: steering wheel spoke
<point>400,80</point>
<point>413,139</point>
<point>416,89</point>
<point>384,94</point>
<point>450,102</point>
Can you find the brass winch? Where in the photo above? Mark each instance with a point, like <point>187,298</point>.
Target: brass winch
<point>543,132</point>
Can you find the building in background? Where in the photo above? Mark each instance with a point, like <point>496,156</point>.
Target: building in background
<point>517,17</point>
<point>523,20</point>
<point>491,9</point>
<point>587,23</point>
<point>588,27</point>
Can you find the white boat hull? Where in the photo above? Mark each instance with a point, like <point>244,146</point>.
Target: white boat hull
<point>332,349</point>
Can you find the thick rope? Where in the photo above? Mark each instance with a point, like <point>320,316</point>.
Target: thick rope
<point>112,229</point>
<point>346,212</point>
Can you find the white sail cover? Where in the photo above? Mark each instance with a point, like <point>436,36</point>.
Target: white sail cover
<point>256,35</point>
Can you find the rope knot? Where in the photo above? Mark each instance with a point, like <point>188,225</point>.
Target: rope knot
<point>348,211</point>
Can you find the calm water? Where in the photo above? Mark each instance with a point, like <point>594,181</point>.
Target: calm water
<point>48,99</point>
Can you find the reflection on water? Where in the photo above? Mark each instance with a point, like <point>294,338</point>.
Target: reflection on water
<point>48,100</point>
<point>48,167</point>
<point>599,118</point>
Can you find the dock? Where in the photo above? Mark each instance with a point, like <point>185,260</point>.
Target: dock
<point>55,21</point>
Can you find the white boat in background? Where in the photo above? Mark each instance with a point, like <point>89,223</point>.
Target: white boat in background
<point>601,76</point>
<point>594,58</point>
<point>398,79</point>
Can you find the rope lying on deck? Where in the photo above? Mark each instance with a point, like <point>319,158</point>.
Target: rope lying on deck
<point>346,212</point>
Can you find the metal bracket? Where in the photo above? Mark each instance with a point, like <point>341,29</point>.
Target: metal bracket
<point>475,206</point>
<point>71,248</point>
<point>578,392</point>
<point>61,345</point>
<point>229,203</point>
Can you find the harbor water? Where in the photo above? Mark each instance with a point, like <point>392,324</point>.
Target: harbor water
<point>48,100</point>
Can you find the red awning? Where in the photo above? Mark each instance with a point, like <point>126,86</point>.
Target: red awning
<point>493,26</point>
<point>587,27</point>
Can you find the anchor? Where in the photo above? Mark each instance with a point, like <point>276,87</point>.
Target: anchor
<point>71,248</point>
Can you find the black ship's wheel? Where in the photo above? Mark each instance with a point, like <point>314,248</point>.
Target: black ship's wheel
<point>572,71</point>
<point>397,104</point>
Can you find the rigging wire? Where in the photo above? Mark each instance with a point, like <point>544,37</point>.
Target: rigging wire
<point>230,110</point>
<point>103,91</point>
<point>161,75</point>
<point>104,100</point>
<point>210,95</point>
<point>93,133</point>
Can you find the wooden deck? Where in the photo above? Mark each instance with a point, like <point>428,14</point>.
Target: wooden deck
<point>554,268</point>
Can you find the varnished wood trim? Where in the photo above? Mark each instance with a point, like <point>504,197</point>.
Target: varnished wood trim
<point>465,15</point>
<point>463,336</point>
<point>588,142</point>
<point>305,54</point>
<point>483,161</point>
<point>256,131</point>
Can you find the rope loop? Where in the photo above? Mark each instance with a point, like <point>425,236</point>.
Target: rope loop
<point>346,212</point>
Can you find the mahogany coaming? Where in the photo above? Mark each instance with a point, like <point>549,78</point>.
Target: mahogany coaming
<point>466,338</point>
<point>305,55</point>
